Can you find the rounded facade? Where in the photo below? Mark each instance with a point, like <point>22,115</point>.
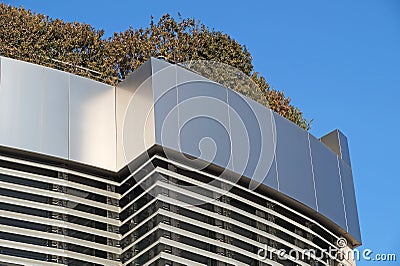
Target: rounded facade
<point>74,191</point>
<point>52,215</point>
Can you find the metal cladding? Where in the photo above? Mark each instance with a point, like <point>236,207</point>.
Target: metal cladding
<point>56,113</point>
<point>62,115</point>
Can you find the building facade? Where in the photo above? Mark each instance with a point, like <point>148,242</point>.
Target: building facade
<point>166,168</point>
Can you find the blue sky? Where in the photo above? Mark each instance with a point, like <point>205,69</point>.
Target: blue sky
<point>338,60</point>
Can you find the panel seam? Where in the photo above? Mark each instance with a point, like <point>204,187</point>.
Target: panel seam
<point>341,187</point>
<point>312,171</point>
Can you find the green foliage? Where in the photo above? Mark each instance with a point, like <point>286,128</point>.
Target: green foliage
<point>80,49</point>
<point>39,39</point>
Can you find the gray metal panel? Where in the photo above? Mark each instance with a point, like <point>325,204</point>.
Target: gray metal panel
<point>34,108</point>
<point>165,103</point>
<point>204,122</point>
<point>327,182</point>
<point>331,140</point>
<point>92,123</point>
<point>158,65</point>
<point>344,148</point>
<point>164,77</point>
<point>252,137</point>
<point>294,163</point>
<point>166,119</point>
<point>184,75</point>
<point>134,110</point>
<point>271,179</point>
<point>350,200</point>
<point>337,142</point>
<point>184,87</point>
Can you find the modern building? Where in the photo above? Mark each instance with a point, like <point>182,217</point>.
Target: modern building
<point>166,168</point>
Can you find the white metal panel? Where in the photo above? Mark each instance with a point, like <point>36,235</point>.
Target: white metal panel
<point>135,115</point>
<point>92,130</point>
<point>55,113</point>
<point>34,108</point>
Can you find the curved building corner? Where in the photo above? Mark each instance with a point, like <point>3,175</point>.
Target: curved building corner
<point>92,174</point>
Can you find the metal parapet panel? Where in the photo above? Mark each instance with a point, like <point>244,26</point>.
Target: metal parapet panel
<point>58,114</point>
